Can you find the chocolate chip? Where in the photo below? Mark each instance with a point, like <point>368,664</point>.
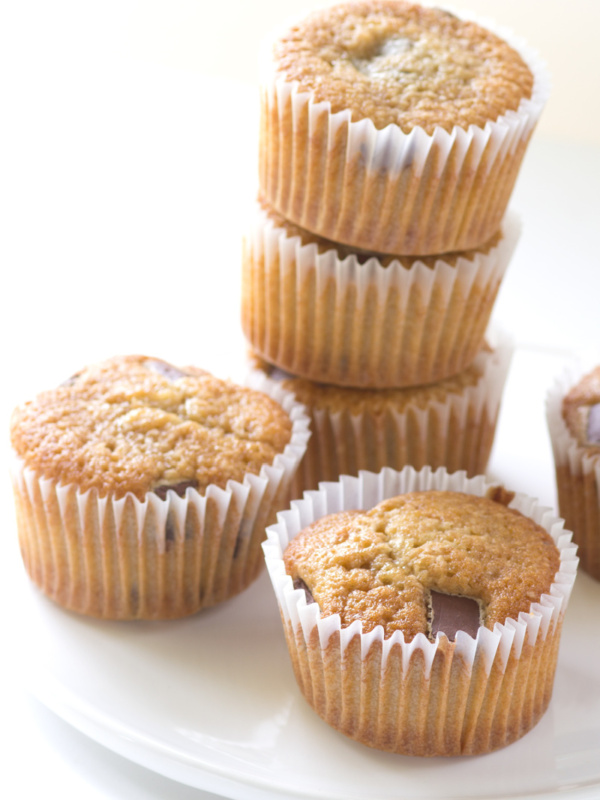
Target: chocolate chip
<point>445,13</point>
<point>299,584</point>
<point>593,425</point>
<point>500,495</point>
<point>452,613</point>
<point>178,488</point>
<point>165,369</point>
<point>70,381</point>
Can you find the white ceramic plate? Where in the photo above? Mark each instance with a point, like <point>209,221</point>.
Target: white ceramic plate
<point>211,701</point>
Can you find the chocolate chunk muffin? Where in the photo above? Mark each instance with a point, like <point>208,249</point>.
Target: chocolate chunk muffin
<point>573,414</point>
<point>135,484</point>
<point>382,566</point>
<point>394,127</point>
<point>422,610</point>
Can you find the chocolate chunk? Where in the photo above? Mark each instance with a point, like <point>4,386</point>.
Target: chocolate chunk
<point>593,425</point>
<point>500,495</point>
<point>165,369</point>
<point>452,613</point>
<point>445,13</point>
<point>178,488</point>
<point>299,584</point>
<point>70,381</point>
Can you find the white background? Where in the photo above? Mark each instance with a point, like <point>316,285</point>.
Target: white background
<point>127,168</point>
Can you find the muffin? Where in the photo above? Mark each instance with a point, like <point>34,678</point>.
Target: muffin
<point>573,414</point>
<point>451,423</point>
<point>393,127</point>
<point>332,315</point>
<point>366,572</point>
<point>142,490</point>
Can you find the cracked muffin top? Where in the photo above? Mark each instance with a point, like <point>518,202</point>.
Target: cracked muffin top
<point>396,62</point>
<point>138,424</point>
<point>392,565</point>
<point>581,411</point>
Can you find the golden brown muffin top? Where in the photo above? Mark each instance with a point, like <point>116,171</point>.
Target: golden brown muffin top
<point>375,401</point>
<point>581,411</point>
<point>380,566</point>
<point>138,424</point>
<point>362,256</point>
<point>395,62</point>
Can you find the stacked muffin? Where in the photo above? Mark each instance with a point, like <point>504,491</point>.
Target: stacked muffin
<point>391,138</point>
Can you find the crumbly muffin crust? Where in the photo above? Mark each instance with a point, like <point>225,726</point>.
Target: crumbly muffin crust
<point>581,411</point>
<point>138,424</point>
<point>395,62</point>
<point>379,566</point>
<point>277,220</point>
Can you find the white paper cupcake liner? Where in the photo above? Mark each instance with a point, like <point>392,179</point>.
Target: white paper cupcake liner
<point>157,558</point>
<point>335,320</point>
<point>456,432</point>
<point>385,190</point>
<point>420,697</point>
<point>577,477</point>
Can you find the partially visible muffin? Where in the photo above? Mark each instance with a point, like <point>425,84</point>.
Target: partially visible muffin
<point>333,315</point>
<point>450,423</point>
<point>581,411</point>
<point>573,412</point>
<point>134,486</point>
<point>395,127</point>
<point>422,610</point>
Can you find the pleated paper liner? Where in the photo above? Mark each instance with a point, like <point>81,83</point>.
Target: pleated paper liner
<point>385,190</point>
<point>335,318</point>
<point>157,558</point>
<point>423,698</point>
<point>577,477</point>
<point>449,424</point>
